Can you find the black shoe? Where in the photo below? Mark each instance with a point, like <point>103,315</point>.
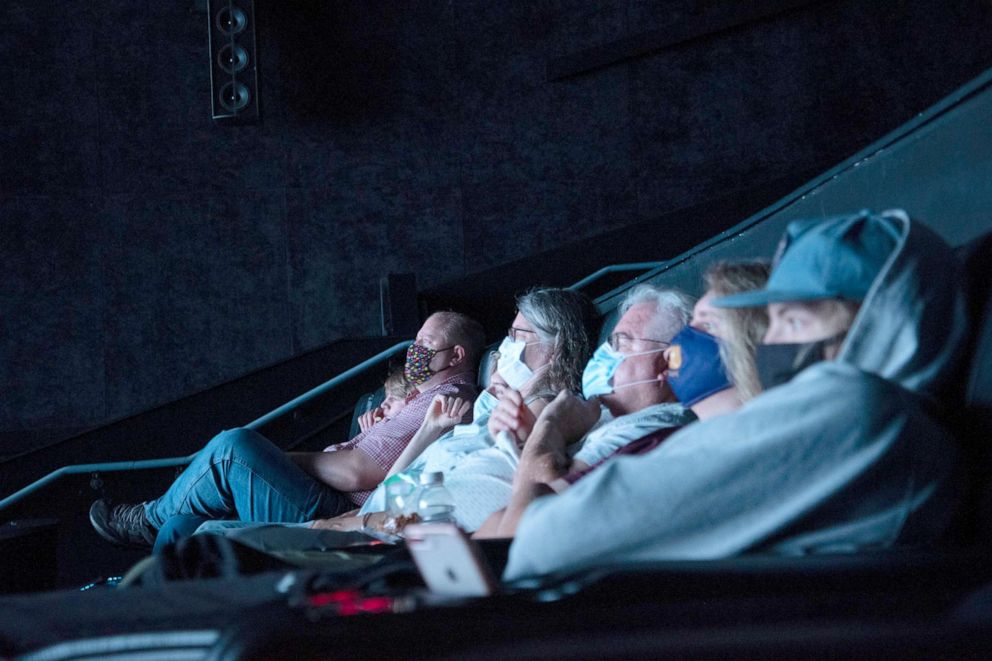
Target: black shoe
<point>123,525</point>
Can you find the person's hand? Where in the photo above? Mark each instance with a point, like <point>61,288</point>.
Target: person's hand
<point>343,523</point>
<point>512,416</point>
<point>571,415</point>
<point>445,412</point>
<point>370,418</point>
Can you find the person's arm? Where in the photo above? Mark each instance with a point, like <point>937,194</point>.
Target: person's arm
<point>544,458</point>
<point>443,413</point>
<point>490,527</point>
<point>734,482</point>
<point>426,435</point>
<point>362,462</point>
<point>341,523</point>
<point>370,521</point>
<point>522,497</point>
<point>577,465</point>
<point>563,421</point>
<point>345,470</point>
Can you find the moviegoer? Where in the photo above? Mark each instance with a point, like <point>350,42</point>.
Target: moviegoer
<point>241,474</point>
<point>842,452</point>
<point>707,362</point>
<point>543,354</point>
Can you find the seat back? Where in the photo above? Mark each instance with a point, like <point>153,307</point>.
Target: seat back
<point>486,365</point>
<point>973,422</point>
<point>365,403</point>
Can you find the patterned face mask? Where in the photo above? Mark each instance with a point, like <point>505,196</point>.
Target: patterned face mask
<point>417,369</point>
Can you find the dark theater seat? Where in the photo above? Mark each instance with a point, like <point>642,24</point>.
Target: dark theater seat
<point>911,602</point>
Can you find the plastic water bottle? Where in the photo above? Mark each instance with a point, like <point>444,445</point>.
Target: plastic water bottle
<point>400,496</point>
<point>434,502</point>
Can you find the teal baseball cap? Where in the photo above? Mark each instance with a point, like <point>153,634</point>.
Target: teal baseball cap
<point>837,257</point>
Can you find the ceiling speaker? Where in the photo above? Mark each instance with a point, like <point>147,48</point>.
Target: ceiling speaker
<point>233,62</point>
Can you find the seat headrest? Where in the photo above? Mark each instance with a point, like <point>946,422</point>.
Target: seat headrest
<point>486,365</point>
<point>365,403</point>
<point>606,327</point>
<point>977,255</point>
<point>972,421</point>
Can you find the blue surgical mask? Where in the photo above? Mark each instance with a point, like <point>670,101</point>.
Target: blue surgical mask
<point>484,406</point>
<point>511,366</point>
<point>695,370</point>
<point>597,378</point>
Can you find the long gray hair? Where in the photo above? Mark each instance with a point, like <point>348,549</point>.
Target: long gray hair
<point>566,320</point>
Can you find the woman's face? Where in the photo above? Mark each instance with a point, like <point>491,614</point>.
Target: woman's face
<point>536,353</point>
<point>707,318</point>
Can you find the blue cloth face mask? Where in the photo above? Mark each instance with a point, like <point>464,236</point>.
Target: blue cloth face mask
<point>597,377</point>
<point>511,366</point>
<point>695,370</point>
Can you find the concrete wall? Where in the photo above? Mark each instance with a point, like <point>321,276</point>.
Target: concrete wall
<point>148,253</point>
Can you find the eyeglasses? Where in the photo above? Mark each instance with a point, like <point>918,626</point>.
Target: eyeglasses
<point>512,332</point>
<point>622,342</point>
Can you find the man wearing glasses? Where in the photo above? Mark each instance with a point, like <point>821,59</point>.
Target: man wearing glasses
<point>627,396</point>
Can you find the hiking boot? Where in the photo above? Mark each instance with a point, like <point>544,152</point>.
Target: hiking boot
<point>123,525</point>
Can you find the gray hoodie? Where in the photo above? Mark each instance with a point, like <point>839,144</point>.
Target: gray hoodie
<point>846,456</point>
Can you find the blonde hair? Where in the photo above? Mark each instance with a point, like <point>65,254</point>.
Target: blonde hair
<point>396,384</point>
<point>744,327</point>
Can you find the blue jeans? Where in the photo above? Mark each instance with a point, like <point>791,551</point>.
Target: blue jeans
<point>241,474</point>
<point>176,528</point>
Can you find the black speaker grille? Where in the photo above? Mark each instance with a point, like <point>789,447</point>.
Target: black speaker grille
<point>233,61</point>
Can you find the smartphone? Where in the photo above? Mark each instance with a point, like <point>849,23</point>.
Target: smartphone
<point>450,563</point>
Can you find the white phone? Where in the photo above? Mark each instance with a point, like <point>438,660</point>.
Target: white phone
<point>450,563</point>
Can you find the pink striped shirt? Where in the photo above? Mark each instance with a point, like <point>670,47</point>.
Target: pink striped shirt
<point>385,441</point>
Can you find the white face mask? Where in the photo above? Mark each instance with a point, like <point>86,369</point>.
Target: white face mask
<point>511,366</point>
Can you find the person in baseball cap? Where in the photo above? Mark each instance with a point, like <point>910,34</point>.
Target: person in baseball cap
<point>822,272</point>
<point>844,451</point>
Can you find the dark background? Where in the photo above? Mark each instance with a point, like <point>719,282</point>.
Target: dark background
<point>148,253</point>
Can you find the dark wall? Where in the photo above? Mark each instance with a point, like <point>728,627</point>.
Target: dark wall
<point>148,253</point>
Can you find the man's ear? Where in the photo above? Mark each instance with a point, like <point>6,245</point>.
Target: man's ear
<point>457,355</point>
<point>661,368</point>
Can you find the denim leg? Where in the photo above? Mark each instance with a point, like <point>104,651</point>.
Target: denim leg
<point>176,528</point>
<point>241,474</point>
